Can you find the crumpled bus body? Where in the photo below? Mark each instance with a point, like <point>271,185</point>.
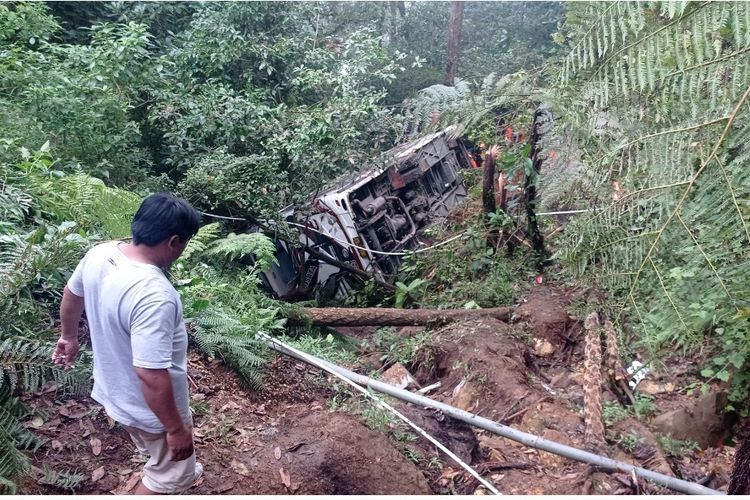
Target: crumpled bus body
<point>367,220</point>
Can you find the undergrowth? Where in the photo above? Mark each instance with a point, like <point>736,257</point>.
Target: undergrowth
<point>395,348</point>
<point>470,272</point>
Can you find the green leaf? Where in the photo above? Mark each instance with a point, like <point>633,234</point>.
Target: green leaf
<point>200,305</point>
<point>723,375</point>
<point>737,359</point>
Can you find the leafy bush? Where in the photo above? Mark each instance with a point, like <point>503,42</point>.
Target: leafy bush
<point>676,447</point>
<point>224,308</point>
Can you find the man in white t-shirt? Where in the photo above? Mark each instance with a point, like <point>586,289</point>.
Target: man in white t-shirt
<point>138,338</point>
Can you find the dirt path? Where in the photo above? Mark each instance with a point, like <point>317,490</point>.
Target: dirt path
<point>526,374</point>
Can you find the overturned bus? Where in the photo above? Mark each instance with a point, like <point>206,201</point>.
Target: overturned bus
<point>368,220</point>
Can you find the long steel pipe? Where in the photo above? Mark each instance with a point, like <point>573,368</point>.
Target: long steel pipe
<point>503,430</point>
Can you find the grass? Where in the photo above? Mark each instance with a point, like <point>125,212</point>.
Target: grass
<point>613,412</point>
<point>629,442</point>
<point>330,347</point>
<point>644,405</point>
<point>676,447</point>
<point>200,408</point>
<point>398,348</point>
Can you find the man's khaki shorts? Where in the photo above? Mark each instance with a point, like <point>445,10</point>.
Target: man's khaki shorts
<point>160,474</point>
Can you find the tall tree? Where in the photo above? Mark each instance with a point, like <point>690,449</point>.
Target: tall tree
<point>454,41</point>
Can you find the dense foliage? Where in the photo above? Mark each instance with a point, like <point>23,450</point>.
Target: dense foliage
<point>654,96</point>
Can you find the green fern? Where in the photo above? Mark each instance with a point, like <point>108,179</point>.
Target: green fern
<point>470,109</point>
<point>659,114</point>
<point>26,365</point>
<point>200,242</point>
<point>13,438</point>
<point>236,246</point>
<point>219,334</point>
<point>66,480</point>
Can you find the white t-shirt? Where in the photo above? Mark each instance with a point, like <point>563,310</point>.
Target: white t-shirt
<point>135,320</point>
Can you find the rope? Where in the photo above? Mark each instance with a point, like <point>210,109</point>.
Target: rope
<point>222,216</point>
<point>384,405</point>
<point>348,244</point>
<point>563,212</point>
<point>400,254</point>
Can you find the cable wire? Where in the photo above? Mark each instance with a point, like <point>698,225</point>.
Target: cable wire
<point>399,254</point>
<point>268,339</point>
<point>348,244</point>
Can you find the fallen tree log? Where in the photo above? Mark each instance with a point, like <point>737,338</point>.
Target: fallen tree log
<point>377,316</point>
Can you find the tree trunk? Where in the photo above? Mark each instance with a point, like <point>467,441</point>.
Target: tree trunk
<point>488,181</point>
<point>542,117</point>
<point>398,6</point>
<point>339,316</point>
<point>454,41</point>
<point>739,481</point>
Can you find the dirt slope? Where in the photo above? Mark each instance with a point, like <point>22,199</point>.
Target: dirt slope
<point>286,441</point>
<point>282,442</point>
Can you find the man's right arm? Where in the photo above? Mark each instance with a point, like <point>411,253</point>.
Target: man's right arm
<point>151,338</point>
<point>71,309</point>
<point>156,386</point>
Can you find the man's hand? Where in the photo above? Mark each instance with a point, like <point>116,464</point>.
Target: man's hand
<point>180,443</point>
<point>65,352</point>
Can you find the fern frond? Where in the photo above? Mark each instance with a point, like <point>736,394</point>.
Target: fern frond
<point>236,246</point>
<point>26,365</point>
<point>63,479</point>
<point>662,153</point>
<point>200,242</point>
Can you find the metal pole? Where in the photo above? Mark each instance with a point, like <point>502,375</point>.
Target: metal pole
<point>505,431</point>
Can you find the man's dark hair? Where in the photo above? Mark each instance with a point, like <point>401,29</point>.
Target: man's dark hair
<point>161,216</point>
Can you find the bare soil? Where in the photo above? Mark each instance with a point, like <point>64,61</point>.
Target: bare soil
<point>286,441</point>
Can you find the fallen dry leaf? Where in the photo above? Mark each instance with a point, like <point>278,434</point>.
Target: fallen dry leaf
<point>132,482</point>
<point>277,453</point>
<point>229,406</point>
<point>86,426</point>
<point>239,468</point>
<point>294,447</point>
<point>110,422</point>
<point>96,446</point>
<point>53,424</point>
<point>73,410</point>
<point>285,478</point>
<point>56,445</point>
<point>97,474</point>
<point>224,488</point>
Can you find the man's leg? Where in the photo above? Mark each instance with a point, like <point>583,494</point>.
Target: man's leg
<point>160,474</point>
